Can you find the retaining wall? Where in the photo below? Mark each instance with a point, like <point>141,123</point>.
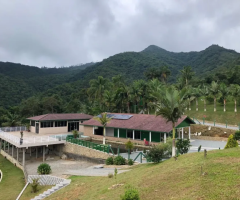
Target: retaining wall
<point>12,160</point>
<point>83,153</point>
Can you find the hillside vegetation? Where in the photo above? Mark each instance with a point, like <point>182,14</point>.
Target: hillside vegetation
<point>181,179</point>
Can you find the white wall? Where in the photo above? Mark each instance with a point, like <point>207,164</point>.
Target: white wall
<point>110,132</point>
<point>53,130</point>
<point>32,129</point>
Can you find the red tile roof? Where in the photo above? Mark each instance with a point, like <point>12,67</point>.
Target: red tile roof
<point>139,122</point>
<point>61,116</point>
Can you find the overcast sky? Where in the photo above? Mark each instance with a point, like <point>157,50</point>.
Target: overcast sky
<point>62,33</point>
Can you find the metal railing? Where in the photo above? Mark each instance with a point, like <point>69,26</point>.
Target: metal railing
<point>91,145</point>
<point>13,129</point>
<point>141,154</point>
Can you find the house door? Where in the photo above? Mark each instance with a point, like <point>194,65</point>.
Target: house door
<point>37,127</point>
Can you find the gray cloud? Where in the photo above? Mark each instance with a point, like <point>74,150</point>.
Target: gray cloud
<point>62,33</point>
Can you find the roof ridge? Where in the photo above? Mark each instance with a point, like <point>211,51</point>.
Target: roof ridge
<point>45,115</point>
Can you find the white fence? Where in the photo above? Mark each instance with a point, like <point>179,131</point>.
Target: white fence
<point>13,129</point>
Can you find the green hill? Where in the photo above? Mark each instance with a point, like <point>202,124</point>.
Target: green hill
<point>181,179</point>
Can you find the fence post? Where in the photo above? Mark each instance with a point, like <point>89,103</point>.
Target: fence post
<point>141,157</point>
<point>118,151</point>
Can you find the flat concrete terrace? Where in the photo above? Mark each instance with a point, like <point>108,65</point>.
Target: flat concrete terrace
<point>32,139</point>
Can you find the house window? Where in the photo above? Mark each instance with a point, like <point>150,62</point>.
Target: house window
<point>137,135</point>
<point>46,124</point>
<point>60,123</point>
<point>129,134</point>
<point>32,123</point>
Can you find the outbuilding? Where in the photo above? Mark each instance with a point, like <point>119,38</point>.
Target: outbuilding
<point>137,127</point>
<point>58,123</point>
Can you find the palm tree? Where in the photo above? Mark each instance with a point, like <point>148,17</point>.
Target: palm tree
<point>214,91</point>
<point>171,108</point>
<point>152,73</point>
<point>104,120</point>
<point>108,99</point>
<point>196,94</point>
<point>165,73</point>
<point>97,87</point>
<point>224,93</point>
<point>11,119</point>
<point>187,74</point>
<point>235,92</point>
<point>204,91</point>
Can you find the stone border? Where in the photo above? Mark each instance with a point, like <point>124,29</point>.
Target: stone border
<point>1,176</point>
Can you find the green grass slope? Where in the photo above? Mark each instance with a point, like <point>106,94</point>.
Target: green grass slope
<point>12,182</point>
<point>181,179</point>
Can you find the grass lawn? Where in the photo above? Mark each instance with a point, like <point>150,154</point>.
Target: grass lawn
<point>27,194</point>
<point>221,117</point>
<point>170,179</point>
<point>12,182</point>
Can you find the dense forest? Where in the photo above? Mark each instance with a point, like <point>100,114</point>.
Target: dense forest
<point>126,82</point>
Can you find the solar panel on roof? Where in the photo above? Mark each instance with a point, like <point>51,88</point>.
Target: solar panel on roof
<point>117,116</point>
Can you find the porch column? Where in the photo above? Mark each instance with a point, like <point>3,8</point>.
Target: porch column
<point>150,136</point>
<point>189,133</point>
<point>36,152</point>
<point>118,133</point>
<point>23,162</point>
<point>165,138</point>
<point>17,154</point>
<point>182,133</point>
<point>43,153</point>
<point>133,134</point>
<point>93,130</point>
<point>8,148</point>
<point>12,150</point>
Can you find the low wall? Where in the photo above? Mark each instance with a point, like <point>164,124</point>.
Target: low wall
<point>208,138</point>
<point>12,160</point>
<point>83,153</point>
<point>211,131</point>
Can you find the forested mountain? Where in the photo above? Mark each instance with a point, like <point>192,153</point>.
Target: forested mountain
<point>18,82</point>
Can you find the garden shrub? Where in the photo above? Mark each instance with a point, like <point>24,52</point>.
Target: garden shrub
<point>35,185</point>
<point>110,175</point>
<point>183,145</point>
<point>166,147</point>
<point>44,168</point>
<point>119,160</point>
<point>131,193</point>
<point>109,161</point>
<point>232,142</point>
<point>75,134</point>
<point>129,145</point>
<point>237,135</point>
<point>155,154</point>
<point>130,162</point>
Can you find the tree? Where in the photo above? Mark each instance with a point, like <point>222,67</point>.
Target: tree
<point>235,92</point>
<point>183,145</point>
<point>224,93</point>
<point>196,92</point>
<point>165,73</point>
<point>214,91</point>
<point>104,120</point>
<point>152,73</point>
<point>11,119</point>
<point>187,74</point>
<point>171,108</point>
<point>204,91</point>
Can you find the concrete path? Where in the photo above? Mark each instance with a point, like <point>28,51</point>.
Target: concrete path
<point>234,127</point>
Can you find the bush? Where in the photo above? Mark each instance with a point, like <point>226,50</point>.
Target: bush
<point>183,145</point>
<point>35,185</point>
<point>166,147</point>
<point>75,133</point>
<point>144,150</point>
<point>237,135</point>
<point>232,142</point>
<point>109,161</point>
<point>119,160</point>
<point>110,175</point>
<point>44,168</point>
<point>129,145</point>
<point>131,193</point>
<point>155,154</point>
<point>130,162</point>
